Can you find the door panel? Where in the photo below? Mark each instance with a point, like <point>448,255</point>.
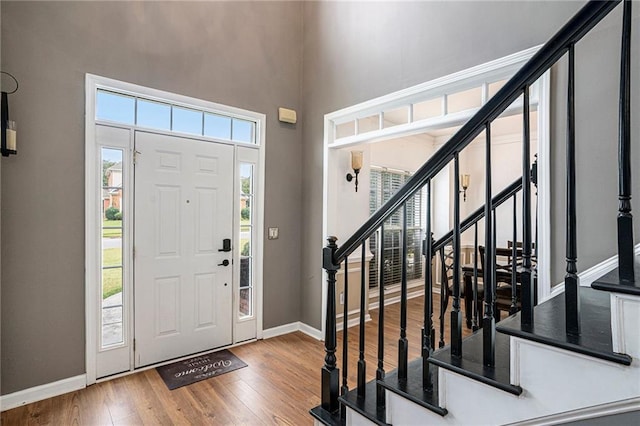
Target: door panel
<point>183,211</point>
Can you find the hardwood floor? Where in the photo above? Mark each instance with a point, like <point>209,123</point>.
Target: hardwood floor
<point>280,385</point>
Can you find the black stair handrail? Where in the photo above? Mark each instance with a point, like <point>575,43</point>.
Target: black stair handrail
<point>478,214</point>
<point>562,43</point>
<point>590,14</point>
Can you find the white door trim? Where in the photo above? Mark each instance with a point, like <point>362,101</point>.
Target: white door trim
<point>92,211</point>
<point>500,68</point>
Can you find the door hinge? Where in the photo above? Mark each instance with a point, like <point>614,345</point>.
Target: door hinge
<point>135,156</point>
<point>134,344</point>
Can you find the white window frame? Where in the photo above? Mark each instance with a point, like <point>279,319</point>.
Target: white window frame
<point>472,77</point>
<point>243,152</point>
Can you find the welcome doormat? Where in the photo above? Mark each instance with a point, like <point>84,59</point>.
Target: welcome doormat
<point>198,368</point>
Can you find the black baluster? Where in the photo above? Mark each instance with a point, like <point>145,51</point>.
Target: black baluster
<point>474,323</point>
<point>403,344</point>
<point>443,295</point>
<point>345,337</point>
<point>330,373</point>
<point>513,308</point>
<point>625,218</point>
<point>380,398</point>
<point>571,280</point>
<point>527,293</point>
<point>427,328</point>
<point>456,315</point>
<point>362,365</point>
<point>494,288</point>
<point>488,320</point>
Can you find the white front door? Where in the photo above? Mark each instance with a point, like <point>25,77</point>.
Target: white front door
<point>182,276</point>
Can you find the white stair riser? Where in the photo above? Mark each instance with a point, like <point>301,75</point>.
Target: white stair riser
<point>554,381</point>
<point>625,321</point>
<point>356,419</point>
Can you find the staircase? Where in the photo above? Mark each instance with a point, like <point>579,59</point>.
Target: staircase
<point>574,356</point>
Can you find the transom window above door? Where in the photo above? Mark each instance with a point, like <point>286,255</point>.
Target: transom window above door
<point>153,114</point>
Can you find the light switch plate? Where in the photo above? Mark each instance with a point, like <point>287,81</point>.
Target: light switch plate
<point>273,233</point>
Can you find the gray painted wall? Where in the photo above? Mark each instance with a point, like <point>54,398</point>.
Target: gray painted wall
<point>246,55</point>
<point>357,51</point>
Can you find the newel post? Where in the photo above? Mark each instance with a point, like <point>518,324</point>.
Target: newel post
<point>330,373</point>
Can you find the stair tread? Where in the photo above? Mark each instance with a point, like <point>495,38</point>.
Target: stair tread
<point>549,326</point>
<point>471,365</point>
<point>325,417</point>
<point>412,387</point>
<point>366,406</point>
<point>611,282</point>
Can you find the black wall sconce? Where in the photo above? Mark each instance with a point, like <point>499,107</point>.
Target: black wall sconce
<point>464,182</point>
<point>356,165</point>
<point>8,128</point>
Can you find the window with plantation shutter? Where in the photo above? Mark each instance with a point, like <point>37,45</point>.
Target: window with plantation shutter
<point>385,183</point>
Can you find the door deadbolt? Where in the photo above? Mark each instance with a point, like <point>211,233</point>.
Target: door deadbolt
<point>224,263</point>
<point>226,245</point>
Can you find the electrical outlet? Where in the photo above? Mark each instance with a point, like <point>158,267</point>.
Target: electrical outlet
<point>342,297</point>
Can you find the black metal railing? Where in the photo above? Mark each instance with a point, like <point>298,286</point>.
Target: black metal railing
<point>562,43</point>
<point>444,245</point>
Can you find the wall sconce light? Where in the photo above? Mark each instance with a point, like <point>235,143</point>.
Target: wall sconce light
<point>356,165</point>
<point>464,182</point>
<point>7,127</point>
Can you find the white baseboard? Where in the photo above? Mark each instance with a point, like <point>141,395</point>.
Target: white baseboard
<point>588,276</point>
<point>609,409</point>
<point>38,393</point>
<point>352,322</point>
<point>290,328</point>
<point>310,331</point>
<point>280,330</point>
<point>395,299</point>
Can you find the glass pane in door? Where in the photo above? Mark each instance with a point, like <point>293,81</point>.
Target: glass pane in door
<point>111,248</point>
<point>245,308</point>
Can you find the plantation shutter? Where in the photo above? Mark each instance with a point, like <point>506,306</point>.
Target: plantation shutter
<point>383,185</point>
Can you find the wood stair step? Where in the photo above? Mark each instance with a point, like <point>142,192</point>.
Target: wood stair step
<point>549,326</point>
<point>325,417</point>
<point>470,363</point>
<point>612,282</point>
<point>412,389</point>
<point>366,406</point>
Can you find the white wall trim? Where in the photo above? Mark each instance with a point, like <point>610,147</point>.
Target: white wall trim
<point>609,409</point>
<point>281,330</point>
<point>352,322</point>
<point>312,332</point>
<point>500,68</point>
<point>292,328</point>
<point>38,393</point>
<point>544,186</point>
<point>588,276</point>
<point>456,81</point>
<point>92,211</point>
<point>395,299</point>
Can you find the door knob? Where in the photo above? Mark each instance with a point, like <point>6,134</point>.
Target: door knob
<point>224,263</point>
